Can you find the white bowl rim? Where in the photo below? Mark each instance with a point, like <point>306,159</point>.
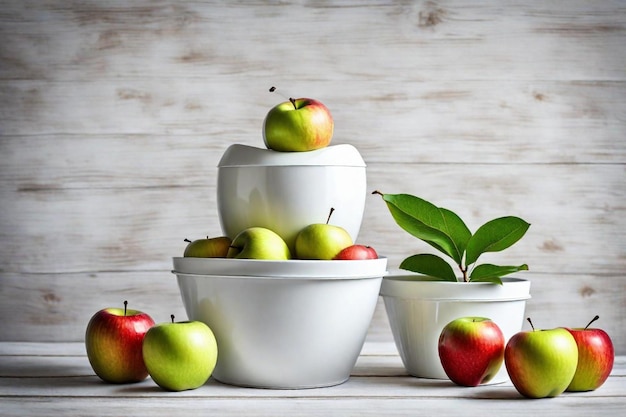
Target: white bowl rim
<point>238,155</point>
<point>402,286</point>
<point>277,268</point>
<point>283,278</point>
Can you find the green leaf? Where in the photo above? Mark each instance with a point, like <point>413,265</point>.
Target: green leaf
<point>494,236</point>
<point>439,227</point>
<point>493,273</point>
<point>431,265</point>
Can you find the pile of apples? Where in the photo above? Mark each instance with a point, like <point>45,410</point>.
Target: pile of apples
<point>296,125</point>
<point>320,241</point>
<point>540,363</point>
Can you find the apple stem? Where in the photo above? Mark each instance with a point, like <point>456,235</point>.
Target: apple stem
<point>187,240</point>
<point>293,101</point>
<point>172,317</point>
<point>377,192</point>
<point>592,320</point>
<point>531,323</point>
<point>125,305</point>
<point>330,214</point>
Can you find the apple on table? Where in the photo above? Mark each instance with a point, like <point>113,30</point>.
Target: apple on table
<point>596,355</point>
<point>541,363</point>
<point>113,340</point>
<point>180,355</point>
<point>471,350</point>
<point>298,125</point>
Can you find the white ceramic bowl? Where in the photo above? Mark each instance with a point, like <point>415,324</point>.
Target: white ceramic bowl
<point>272,268</point>
<point>284,332</point>
<point>419,310</point>
<point>286,191</point>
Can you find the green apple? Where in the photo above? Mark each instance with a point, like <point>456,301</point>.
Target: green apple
<point>298,125</point>
<point>215,247</point>
<point>259,243</point>
<point>321,241</point>
<point>180,355</point>
<point>541,363</point>
<point>113,340</point>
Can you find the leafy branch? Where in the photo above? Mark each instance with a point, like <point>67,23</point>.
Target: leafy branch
<point>445,231</point>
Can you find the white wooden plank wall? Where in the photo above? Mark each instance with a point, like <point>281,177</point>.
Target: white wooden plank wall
<point>114,114</point>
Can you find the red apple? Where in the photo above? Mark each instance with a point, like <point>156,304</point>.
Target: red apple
<point>113,340</point>
<point>595,358</point>
<point>298,125</point>
<point>471,350</point>
<point>355,252</point>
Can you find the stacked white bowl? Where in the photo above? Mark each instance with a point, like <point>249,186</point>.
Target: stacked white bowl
<point>285,324</point>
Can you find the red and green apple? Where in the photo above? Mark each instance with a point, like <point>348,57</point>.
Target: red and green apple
<point>596,355</point>
<point>113,340</point>
<point>541,363</point>
<point>471,350</point>
<point>298,125</point>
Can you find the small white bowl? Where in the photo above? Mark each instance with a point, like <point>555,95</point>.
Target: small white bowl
<point>286,191</point>
<point>284,332</point>
<point>418,310</point>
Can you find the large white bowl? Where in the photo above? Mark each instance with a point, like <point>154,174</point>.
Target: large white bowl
<point>272,268</point>
<point>284,332</point>
<point>286,191</point>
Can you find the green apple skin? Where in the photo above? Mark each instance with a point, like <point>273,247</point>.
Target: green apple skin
<point>541,363</point>
<point>596,355</point>
<point>259,243</point>
<point>180,355</point>
<point>215,247</point>
<point>471,350</point>
<point>113,340</point>
<point>302,125</point>
<point>321,241</point>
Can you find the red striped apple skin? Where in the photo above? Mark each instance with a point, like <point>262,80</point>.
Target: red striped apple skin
<point>596,355</point>
<point>113,340</point>
<point>471,350</point>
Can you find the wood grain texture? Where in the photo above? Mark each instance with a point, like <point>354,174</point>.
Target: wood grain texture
<point>113,116</point>
<point>55,378</point>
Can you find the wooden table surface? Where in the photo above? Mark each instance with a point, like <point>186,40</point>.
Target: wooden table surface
<point>55,379</point>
